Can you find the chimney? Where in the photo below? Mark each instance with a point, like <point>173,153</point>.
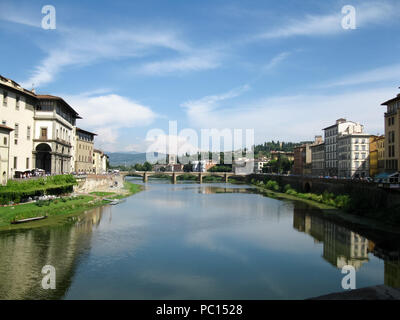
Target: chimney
<point>341,120</point>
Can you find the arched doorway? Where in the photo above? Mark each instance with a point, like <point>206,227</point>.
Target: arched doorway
<point>43,157</point>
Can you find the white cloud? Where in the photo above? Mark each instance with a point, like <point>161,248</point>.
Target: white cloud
<point>20,15</point>
<point>198,110</point>
<point>107,114</point>
<point>275,61</point>
<point>79,47</point>
<point>315,25</point>
<point>294,118</point>
<point>193,62</point>
<point>387,73</point>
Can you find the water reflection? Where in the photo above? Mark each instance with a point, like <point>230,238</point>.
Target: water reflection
<point>341,246</point>
<point>24,253</point>
<point>192,241</point>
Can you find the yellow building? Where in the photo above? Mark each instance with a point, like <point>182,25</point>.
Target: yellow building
<point>4,152</point>
<point>376,155</point>
<point>84,143</point>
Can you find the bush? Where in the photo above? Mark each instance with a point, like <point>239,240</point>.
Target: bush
<point>15,191</point>
<point>272,185</point>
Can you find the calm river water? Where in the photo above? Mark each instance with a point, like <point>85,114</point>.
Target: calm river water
<point>190,241</point>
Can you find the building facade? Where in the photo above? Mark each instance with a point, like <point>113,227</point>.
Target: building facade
<point>376,155</point>
<point>84,147</point>
<point>17,109</point>
<point>392,134</point>
<point>353,155</point>
<point>99,162</point>
<point>303,157</point>
<point>54,125</point>
<point>43,134</point>
<point>4,152</point>
<point>341,127</point>
<point>318,160</point>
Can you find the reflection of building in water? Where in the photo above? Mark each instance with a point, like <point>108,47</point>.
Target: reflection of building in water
<point>24,253</point>
<point>340,245</point>
<point>392,273</point>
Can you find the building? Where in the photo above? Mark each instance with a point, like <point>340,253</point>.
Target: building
<point>17,110</point>
<point>376,155</point>
<point>43,134</point>
<point>303,157</point>
<point>4,152</point>
<point>392,134</point>
<point>318,159</point>
<point>84,147</point>
<point>259,165</point>
<point>275,155</point>
<point>202,165</point>
<point>353,155</point>
<point>54,126</point>
<point>99,162</point>
<point>342,126</point>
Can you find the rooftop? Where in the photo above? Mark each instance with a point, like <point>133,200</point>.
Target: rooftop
<point>85,131</point>
<point>397,98</point>
<point>2,126</point>
<point>50,97</point>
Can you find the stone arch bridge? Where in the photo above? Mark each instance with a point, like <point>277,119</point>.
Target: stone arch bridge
<point>146,174</point>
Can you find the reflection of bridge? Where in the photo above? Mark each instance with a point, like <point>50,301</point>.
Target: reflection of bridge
<point>174,175</point>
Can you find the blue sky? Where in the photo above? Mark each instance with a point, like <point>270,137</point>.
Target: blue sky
<point>285,68</point>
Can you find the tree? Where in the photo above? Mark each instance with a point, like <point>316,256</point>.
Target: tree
<point>188,167</point>
<point>147,166</point>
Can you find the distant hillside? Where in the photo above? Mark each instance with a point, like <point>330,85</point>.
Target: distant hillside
<point>126,158</point>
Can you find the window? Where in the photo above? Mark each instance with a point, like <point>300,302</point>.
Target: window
<point>43,133</point>
<point>17,102</point>
<point>5,94</point>
<point>27,163</point>
<point>15,162</point>
<point>16,130</point>
<point>5,141</point>
<point>4,122</point>
<point>15,141</point>
<point>28,133</point>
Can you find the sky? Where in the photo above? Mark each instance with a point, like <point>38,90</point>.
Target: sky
<point>285,69</point>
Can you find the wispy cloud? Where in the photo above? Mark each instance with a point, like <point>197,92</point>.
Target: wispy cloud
<point>275,61</point>
<point>77,47</point>
<point>199,110</point>
<point>387,73</point>
<point>293,118</point>
<point>197,61</point>
<point>330,24</point>
<point>20,15</point>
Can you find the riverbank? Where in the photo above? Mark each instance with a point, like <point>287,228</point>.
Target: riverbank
<point>383,234</point>
<point>60,209</point>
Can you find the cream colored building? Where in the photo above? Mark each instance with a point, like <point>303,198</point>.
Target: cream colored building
<point>341,127</point>
<point>99,162</point>
<point>17,109</point>
<point>54,126</point>
<point>84,147</point>
<point>4,153</point>
<point>353,155</point>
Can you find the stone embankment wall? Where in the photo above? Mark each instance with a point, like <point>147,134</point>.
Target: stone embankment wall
<point>94,182</point>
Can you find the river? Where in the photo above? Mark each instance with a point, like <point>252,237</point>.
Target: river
<point>190,241</point>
